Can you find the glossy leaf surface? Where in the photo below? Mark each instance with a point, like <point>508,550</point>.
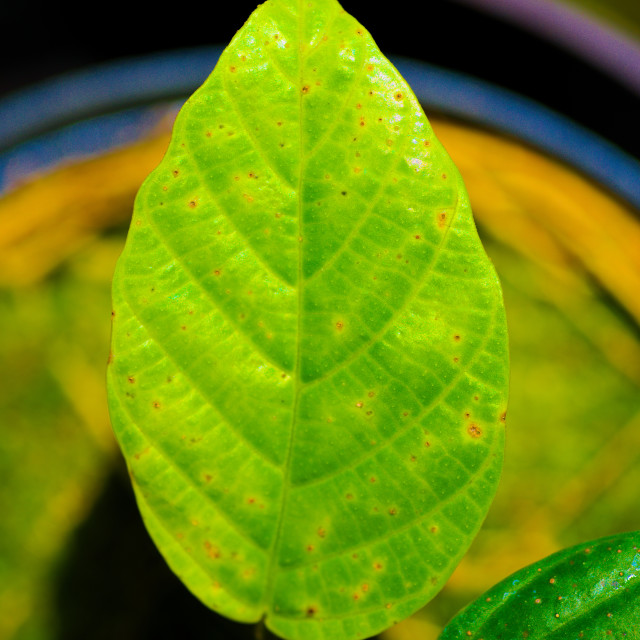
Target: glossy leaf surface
<point>309,358</point>
<point>591,591</point>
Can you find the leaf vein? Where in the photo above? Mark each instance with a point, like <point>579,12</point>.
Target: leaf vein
<point>229,218</point>
<point>268,162</point>
<point>153,512</point>
<point>200,391</point>
<point>419,416</point>
<point>338,115</point>
<point>208,295</point>
<point>344,246</point>
<point>416,521</point>
<point>173,466</point>
<point>413,293</point>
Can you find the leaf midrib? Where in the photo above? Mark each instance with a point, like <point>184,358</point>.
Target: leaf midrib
<point>286,481</point>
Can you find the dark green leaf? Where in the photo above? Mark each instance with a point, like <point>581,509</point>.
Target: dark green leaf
<point>588,591</point>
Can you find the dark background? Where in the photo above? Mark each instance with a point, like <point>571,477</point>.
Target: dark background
<point>96,595</point>
<point>52,38</point>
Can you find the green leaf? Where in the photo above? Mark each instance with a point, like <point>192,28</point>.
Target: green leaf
<point>589,591</point>
<point>309,357</point>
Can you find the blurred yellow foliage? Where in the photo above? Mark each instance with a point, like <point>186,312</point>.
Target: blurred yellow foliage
<point>48,219</point>
<point>568,254</point>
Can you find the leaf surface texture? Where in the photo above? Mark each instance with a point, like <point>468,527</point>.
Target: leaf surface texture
<point>309,355</point>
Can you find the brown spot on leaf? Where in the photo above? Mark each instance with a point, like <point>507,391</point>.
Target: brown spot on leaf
<point>131,380</point>
<point>474,431</point>
<point>305,89</point>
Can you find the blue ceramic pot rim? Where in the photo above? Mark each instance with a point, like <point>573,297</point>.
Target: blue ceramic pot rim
<point>149,79</point>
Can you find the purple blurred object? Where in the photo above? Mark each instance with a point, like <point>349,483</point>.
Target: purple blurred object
<point>602,45</point>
